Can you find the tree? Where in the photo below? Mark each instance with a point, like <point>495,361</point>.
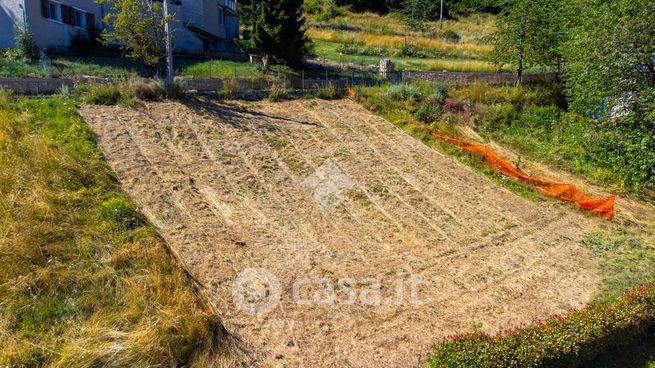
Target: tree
<point>611,60</point>
<point>417,12</point>
<point>530,33</point>
<point>138,26</point>
<point>278,31</point>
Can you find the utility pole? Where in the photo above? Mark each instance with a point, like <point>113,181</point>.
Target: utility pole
<point>441,17</point>
<point>169,48</point>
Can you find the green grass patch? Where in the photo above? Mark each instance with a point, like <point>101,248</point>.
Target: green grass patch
<point>622,158</point>
<point>117,67</point>
<point>217,69</point>
<point>17,68</point>
<point>627,258</point>
<point>103,67</point>
<point>85,281</point>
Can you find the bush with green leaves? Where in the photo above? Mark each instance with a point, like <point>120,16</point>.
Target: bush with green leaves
<point>600,150</point>
<point>429,110</point>
<point>560,341</point>
<point>25,45</point>
<point>128,92</point>
<point>278,93</point>
<point>403,92</point>
<point>329,92</point>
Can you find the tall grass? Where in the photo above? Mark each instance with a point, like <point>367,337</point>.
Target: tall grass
<point>472,28</point>
<point>463,66</point>
<point>84,282</point>
<point>464,49</point>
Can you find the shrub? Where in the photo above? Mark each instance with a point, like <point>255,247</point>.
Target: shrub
<point>440,92</point>
<point>148,91</point>
<point>63,91</point>
<point>329,92</point>
<point>157,90</point>
<point>403,92</point>
<point>560,341</point>
<point>329,11</point>
<point>429,110</point>
<point>120,93</point>
<point>101,94</point>
<point>278,93</point>
<point>25,42</point>
<point>451,36</point>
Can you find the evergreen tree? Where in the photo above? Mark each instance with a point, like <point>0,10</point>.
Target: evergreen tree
<point>417,12</point>
<point>278,31</point>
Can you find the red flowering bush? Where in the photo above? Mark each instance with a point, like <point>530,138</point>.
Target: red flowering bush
<point>559,341</point>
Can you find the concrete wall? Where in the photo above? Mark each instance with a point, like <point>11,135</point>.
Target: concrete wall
<point>10,14</point>
<point>183,39</point>
<point>51,34</point>
<point>231,33</point>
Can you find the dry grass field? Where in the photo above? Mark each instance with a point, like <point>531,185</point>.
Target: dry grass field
<point>327,190</point>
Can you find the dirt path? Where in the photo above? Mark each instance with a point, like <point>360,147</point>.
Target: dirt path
<point>319,192</point>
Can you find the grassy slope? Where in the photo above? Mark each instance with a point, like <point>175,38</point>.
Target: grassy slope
<point>626,251</point>
<point>116,67</point>
<point>390,32</point>
<point>84,281</point>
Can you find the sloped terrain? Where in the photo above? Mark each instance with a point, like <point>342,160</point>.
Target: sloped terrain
<point>326,190</point>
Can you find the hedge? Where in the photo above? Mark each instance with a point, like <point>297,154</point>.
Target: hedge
<point>559,341</point>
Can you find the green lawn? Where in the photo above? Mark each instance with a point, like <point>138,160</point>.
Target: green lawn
<point>115,67</point>
<point>14,68</point>
<point>105,67</point>
<point>327,50</point>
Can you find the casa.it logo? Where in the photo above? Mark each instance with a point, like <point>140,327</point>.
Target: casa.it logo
<point>256,291</point>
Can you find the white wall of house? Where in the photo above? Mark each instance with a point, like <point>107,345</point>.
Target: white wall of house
<point>53,33</point>
<point>183,40</point>
<point>10,13</point>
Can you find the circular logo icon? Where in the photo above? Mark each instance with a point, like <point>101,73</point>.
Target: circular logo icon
<point>256,291</point>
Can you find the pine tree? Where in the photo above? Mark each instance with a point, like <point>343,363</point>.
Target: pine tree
<point>278,31</point>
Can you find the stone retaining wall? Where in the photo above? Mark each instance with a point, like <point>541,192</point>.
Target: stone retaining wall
<point>473,77</point>
<point>45,86</point>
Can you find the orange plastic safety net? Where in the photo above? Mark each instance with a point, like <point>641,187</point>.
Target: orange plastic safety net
<point>566,192</point>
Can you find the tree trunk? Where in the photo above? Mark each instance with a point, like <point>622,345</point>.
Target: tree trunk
<point>519,71</point>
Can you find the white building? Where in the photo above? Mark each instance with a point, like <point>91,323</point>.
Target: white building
<point>199,26</point>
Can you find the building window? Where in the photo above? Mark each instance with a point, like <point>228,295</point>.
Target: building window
<point>221,16</point>
<point>54,11</point>
<point>79,18</point>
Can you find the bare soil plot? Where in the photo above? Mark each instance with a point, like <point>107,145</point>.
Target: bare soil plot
<point>327,190</point>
